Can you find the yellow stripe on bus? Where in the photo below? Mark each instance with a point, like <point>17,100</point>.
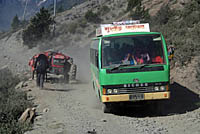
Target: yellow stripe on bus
<point>125,97</point>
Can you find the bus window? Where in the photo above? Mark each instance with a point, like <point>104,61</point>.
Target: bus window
<point>132,50</point>
<point>94,53</point>
<point>97,59</point>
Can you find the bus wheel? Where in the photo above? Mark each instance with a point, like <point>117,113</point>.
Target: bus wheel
<point>93,85</point>
<point>99,96</point>
<point>106,107</point>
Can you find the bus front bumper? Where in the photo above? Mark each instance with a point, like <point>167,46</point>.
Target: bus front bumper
<point>135,97</point>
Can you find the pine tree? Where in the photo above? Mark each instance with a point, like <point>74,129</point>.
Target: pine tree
<point>39,27</point>
<point>132,4</point>
<point>60,9</point>
<point>140,13</point>
<point>15,22</point>
<point>90,16</point>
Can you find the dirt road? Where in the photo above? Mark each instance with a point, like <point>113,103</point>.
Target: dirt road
<point>74,109</point>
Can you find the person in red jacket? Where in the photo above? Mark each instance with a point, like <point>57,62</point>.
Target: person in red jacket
<point>157,60</point>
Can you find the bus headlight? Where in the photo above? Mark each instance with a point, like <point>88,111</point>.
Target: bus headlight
<point>109,91</point>
<point>162,88</point>
<point>115,91</point>
<point>156,88</point>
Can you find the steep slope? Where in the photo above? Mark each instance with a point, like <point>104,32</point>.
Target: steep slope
<point>65,108</point>
<point>107,10</point>
<point>83,31</point>
<point>14,55</point>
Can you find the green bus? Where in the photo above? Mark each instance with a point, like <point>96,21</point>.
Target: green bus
<point>129,67</point>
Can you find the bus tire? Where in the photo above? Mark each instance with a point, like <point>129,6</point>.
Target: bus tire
<point>93,85</point>
<point>106,107</point>
<point>99,96</point>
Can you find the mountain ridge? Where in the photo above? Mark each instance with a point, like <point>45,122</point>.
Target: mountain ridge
<point>17,7</point>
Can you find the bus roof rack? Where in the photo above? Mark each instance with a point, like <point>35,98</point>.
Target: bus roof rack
<point>128,22</point>
<point>122,27</point>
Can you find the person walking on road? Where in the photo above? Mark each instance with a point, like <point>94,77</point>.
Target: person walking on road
<point>41,66</point>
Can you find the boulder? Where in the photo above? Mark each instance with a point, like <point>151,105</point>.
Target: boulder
<point>28,115</point>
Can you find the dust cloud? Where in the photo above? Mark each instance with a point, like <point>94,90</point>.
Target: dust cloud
<point>81,58</point>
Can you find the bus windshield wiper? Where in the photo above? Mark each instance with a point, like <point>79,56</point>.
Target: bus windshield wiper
<point>117,67</point>
<point>144,65</point>
<point>124,65</point>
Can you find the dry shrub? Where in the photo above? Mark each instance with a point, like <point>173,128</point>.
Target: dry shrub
<point>12,103</point>
<point>180,29</point>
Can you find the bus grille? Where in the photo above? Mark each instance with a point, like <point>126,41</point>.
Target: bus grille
<point>136,90</point>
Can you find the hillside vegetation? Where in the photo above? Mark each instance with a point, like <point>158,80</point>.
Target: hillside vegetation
<point>179,26</point>
<point>177,20</point>
<point>12,103</point>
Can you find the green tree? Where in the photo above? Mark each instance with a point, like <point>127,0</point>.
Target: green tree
<point>38,28</point>
<point>90,16</point>
<point>132,4</point>
<point>140,13</point>
<point>15,22</point>
<point>24,23</point>
<point>60,9</point>
<point>103,10</point>
<point>163,15</point>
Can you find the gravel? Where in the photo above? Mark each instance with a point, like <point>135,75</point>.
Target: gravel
<point>75,110</point>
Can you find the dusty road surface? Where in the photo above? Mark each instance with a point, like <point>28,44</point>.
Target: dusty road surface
<point>74,109</point>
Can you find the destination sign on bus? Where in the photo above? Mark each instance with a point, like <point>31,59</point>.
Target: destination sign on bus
<point>108,29</point>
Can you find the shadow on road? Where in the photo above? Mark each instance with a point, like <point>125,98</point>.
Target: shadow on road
<point>60,90</point>
<point>182,100</point>
<point>62,80</point>
<point>56,80</point>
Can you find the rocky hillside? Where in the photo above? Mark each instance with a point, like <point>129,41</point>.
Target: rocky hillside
<point>161,20</point>
<point>108,11</point>
<point>61,109</point>
<point>74,31</point>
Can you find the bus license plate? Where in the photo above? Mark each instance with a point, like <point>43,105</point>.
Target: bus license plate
<point>134,97</point>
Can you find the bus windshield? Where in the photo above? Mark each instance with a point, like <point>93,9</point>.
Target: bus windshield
<point>132,50</point>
